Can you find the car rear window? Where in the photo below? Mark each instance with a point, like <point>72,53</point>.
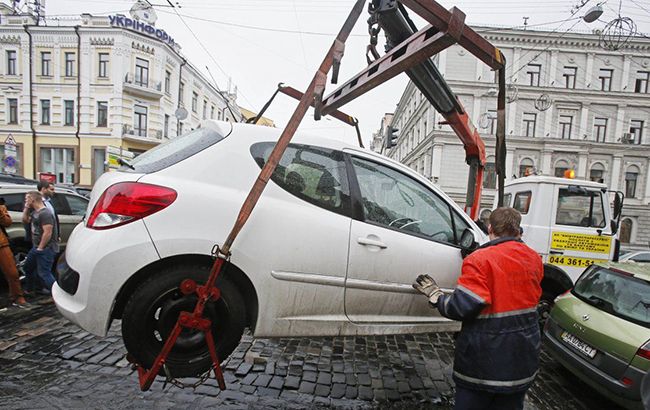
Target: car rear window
<point>174,151</point>
<point>616,293</point>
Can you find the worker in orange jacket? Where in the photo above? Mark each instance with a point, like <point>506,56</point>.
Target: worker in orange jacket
<point>497,349</point>
<point>7,261</point>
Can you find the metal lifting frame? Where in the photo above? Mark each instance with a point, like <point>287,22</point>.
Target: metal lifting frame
<point>447,28</point>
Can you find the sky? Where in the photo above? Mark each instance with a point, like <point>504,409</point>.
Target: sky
<point>256,44</point>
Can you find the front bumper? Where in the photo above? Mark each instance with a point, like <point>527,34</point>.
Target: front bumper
<point>629,396</point>
<point>104,261</point>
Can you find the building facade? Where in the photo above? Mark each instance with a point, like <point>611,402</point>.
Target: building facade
<point>70,93</point>
<point>571,105</point>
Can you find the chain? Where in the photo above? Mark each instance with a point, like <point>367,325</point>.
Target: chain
<point>179,384</point>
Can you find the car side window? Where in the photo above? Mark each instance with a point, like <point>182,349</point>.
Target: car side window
<point>396,201</point>
<point>522,202</point>
<point>60,204</point>
<point>14,202</point>
<point>77,205</point>
<point>316,175</point>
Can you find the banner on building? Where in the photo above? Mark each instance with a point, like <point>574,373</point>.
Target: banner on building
<point>113,154</point>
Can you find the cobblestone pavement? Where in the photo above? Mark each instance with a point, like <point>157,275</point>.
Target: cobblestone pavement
<point>46,362</point>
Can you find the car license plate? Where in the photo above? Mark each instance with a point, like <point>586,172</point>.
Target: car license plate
<point>578,344</point>
<point>572,261</point>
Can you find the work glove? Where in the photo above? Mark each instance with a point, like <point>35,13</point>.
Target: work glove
<point>427,286</point>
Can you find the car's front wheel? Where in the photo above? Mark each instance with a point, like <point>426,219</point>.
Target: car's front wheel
<point>152,310</point>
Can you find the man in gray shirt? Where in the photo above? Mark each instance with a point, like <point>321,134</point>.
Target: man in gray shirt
<point>39,260</point>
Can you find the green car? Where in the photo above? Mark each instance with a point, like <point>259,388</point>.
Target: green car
<point>600,330</point>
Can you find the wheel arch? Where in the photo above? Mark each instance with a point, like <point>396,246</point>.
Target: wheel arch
<point>241,280</point>
<point>555,281</point>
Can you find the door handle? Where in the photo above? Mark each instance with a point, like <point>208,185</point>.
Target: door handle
<point>371,242</point>
<point>556,252</point>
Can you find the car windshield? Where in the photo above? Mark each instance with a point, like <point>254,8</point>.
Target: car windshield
<point>174,151</point>
<point>617,293</point>
<point>580,207</point>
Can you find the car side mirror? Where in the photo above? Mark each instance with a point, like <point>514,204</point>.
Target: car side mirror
<point>468,242</point>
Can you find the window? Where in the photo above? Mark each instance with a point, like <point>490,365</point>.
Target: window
<point>605,76</point>
<point>195,102</point>
<point>316,175</point>
<point>180,128</point>
<point>597,173</point>
<point>16,168</point>
<point>68,114</point>
<point>529,124</point>
<point>490,175</point>
<point>166,127</point>
<point>395,201</point>
<point>99,163</point>
<point>631,178</point>
<point>142,72</point>
<point>205,109</point>
<point>60,162</point>
<point>102,114</point>
<point>626,230</point>
<point>600,129</point>
<point>617,293</point>
<point>533,73</point>
<point>11,62</point>
<point>566,123</point>
<point>580,207</point>
<point>641,85</point>
<point>506,200</point>
<point>168,81</point>
<point>46,62</point>
<point>181,92</point>
<point>636,129</point>
<point>526,167</point>
<point>522,202</point>
<point>45,112</point>
<point>77,205</point>
<point>103,65</point>
<point>13,110</point>
<point>212,112</point>
<point>492,117</point>
<point>140,120</point>
<point>569,77</point>
<point>69,64</point>
<point>560,168</point>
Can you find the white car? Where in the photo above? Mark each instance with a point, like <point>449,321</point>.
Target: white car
<point>636,256</point>
<point>332,247</point>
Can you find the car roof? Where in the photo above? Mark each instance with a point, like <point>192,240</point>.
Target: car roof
<point>31,187</point>
<point>638,270</point>
<point>555,180</point>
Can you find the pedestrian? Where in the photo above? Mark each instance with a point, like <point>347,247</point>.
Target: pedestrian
<point>38,262</point>
<point>497,349</point>
<point>46,188</point>
<point>7,261</point>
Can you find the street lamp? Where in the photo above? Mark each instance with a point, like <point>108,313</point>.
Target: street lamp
<point>593,14</point>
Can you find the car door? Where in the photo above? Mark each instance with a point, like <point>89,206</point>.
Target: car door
<point>405,229</point>
<point>70,209</point>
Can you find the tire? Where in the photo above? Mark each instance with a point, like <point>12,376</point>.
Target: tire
<point>152,310</point>
<point>544,307</point>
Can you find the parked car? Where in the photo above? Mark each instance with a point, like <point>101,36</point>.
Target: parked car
<point>15,179</point>
<point>80,190</point>
<point>69,206</point>
<point>332,247</point>
<point>636,256</point>
<point>600,330</point>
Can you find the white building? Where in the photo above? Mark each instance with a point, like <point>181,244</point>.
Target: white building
<point>572,105</point>
<point>69,92</point>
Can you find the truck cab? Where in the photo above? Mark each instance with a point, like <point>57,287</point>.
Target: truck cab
<point>569,222</point>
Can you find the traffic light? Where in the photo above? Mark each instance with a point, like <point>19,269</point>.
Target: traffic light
<point>391,137</point>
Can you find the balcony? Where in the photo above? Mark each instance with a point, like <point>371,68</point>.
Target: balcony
<point>148,89</point>
<point>152,137</point>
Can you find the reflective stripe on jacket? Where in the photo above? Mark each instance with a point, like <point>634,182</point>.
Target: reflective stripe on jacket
<point>496,297</point>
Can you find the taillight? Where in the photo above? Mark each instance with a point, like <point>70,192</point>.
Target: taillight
<point>644,351</point>
<point>126,202</point>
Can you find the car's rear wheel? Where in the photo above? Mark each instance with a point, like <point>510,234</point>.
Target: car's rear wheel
<point>152,310</point>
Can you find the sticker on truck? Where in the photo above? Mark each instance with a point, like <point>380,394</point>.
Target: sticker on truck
<point>581,242</point>
<point>560,260</point>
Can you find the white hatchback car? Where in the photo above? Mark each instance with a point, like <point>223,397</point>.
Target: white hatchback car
<point>332,247</point>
